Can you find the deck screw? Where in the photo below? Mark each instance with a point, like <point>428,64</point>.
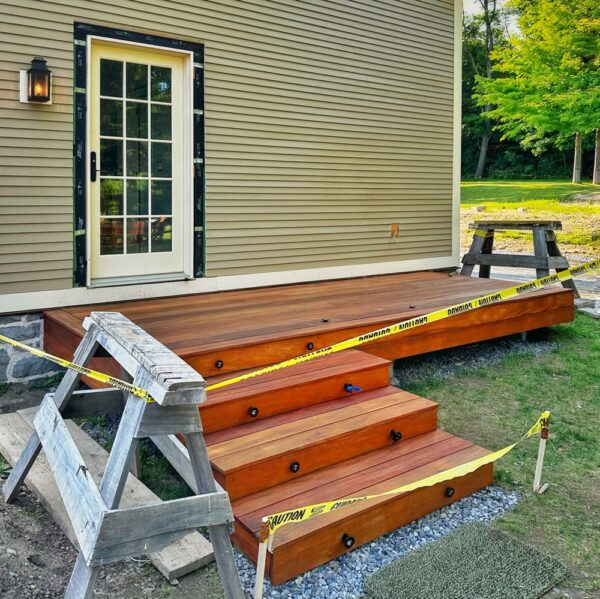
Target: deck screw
<point>310,345</point>
<point>295,466</point>
<point>347,540</point>
<point>324,319</point>
<point>449,491</point>
<point>412,306</point>
<point>253,412</point>
<point>219,364</point>
<point>395,435</point>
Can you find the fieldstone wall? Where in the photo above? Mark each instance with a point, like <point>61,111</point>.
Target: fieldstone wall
<point>17,366</point>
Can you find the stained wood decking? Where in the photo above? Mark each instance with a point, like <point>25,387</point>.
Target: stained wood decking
<point>332,427</point>
<point>229,331</point>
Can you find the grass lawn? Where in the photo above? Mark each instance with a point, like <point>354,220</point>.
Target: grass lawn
<point>495,405</point>
<point>548,200</point>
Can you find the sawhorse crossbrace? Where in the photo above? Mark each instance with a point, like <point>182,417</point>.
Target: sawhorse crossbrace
<point>104,532</point>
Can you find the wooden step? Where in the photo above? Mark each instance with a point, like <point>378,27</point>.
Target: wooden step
<point>292,388</point>
<point>303,546</point>
<point>309,439</point>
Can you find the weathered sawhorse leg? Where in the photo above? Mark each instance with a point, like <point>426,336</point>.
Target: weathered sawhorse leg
<point>219,535</point>
<point>85,351</point>
<point>83,576</point>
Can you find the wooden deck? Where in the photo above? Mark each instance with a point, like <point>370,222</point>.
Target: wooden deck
<point>298,436</point>
<point>229,331</point>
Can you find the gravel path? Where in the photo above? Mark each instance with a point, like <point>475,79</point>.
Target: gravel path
<point>344,577</point>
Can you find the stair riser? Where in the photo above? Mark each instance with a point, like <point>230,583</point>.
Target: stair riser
<point>324,452</point>
<point>235,412</point>
<point>295,558</point>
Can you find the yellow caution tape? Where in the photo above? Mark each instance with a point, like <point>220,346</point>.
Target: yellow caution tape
<point>393,329</point>
<point>300,514</point>
<point>419,321</point>
<point>93,374</point>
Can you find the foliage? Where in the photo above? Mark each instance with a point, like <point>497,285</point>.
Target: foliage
<point>548,86</point>
<point>501,400</point>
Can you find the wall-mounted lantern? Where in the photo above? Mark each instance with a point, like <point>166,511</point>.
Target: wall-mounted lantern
<point>36,82</point>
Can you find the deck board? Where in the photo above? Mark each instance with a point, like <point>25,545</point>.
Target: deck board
<point>253,327</point>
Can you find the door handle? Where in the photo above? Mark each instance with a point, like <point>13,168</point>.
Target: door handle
<point>93,169</point>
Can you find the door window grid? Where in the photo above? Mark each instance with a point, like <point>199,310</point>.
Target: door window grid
<point>143,224</point>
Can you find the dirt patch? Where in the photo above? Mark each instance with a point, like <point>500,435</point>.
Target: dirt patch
<point>584,198</point>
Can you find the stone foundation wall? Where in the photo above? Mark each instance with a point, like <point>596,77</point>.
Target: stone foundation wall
<point>17,366</point>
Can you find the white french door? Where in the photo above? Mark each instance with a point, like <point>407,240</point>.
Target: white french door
<point>140,164</point>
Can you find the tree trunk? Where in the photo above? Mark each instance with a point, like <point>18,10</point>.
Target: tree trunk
<point>596,175</point>
<point>577,159</point>
<point>485,141</point>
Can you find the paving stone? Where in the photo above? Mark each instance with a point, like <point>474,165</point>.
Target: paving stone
<point>4,360</point>
<point>10,318</point>
<point>32,366</point>
<point>21,333</point>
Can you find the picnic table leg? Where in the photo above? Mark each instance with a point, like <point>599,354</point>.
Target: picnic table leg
<point>554,251</point>
<point>540,249</point>
<point>486,248</point>
<point>479,236</point>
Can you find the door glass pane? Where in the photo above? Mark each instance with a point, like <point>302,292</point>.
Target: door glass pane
<point>136,81</point>
<point>160,81</point>
<point>162,234</point>
<point>137,197</point>
<point>161,121</point>
<point>111,78</point>
<point>111,236</point>
<point>161,197</point>
<point>111,197</point>
<point>161,160</point>
<point>111,118</point>
<point>137,235</point>
<point>137,119</point>
<point>137,158</point>
<point>111,157</point>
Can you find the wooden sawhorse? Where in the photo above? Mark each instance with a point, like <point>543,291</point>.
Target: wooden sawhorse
<point>546,256</point>
<point>104,532</point>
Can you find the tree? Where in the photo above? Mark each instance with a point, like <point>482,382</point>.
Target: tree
<point>548,82</point>
<point>482,33</point>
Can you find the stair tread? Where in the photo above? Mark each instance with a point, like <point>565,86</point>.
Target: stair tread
<point>251,448</point>
<point>295,415</point>
<point>371,473</point>
<point>341,363</point>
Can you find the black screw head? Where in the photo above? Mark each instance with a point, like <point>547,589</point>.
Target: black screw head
<point>310,345</point>
<point>449,491</point>
<point>347,540</point>
<point>412,306</point>
<point>324,319</point>
<point>294,467</point>
<point>253,412</point>
<point>219,364</point>
<point>395,435</point>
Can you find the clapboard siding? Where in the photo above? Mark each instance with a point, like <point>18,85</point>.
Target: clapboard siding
<point>327,121</point>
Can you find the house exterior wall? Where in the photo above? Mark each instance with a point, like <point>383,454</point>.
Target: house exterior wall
<point>327,122</point>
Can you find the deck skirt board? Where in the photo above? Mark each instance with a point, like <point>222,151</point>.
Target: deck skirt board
<point>257,431</point>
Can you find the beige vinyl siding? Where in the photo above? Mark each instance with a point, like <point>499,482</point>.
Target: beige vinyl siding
<point>327,121</point>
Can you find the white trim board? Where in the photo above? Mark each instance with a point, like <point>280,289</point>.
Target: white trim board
<point>77,296</point>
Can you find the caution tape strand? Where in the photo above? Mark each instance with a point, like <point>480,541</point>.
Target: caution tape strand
<point>419,321</point>
<point>93,374</point>
<point>300,514</point>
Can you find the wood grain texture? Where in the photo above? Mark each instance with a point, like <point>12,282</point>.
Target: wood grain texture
<point>250,328</point>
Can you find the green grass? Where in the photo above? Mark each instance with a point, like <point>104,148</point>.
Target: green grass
<point>495,405</point>
<point>477,192</point>
<point>522,200</point>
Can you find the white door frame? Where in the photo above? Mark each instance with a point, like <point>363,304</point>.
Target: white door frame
<point>187,149</point>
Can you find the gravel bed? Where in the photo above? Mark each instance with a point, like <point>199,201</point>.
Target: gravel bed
<point>344,577</point>
<point>453,362</point>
